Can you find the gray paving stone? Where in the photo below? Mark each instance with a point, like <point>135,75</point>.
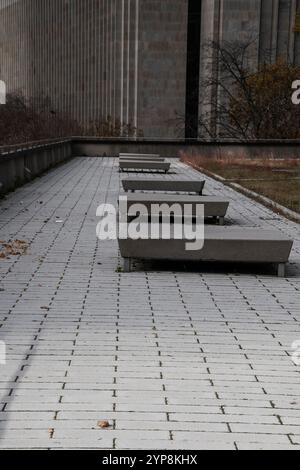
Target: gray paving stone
<point>191,360</point>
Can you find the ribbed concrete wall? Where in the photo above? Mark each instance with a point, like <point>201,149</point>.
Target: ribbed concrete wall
<point>162,64</point>
<point>127,58</point>
<point>72,51</point>
<point>270,24</point>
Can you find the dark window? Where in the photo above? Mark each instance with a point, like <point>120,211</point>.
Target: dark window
<point>193,69</point>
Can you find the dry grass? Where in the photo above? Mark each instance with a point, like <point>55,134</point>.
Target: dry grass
<point>279,180</point>
<point>229,161</point>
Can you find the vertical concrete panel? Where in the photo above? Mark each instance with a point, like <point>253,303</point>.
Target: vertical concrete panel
<point>125,61</point>
<point>136,63</point>
<point>268,30</point>
<point>122,64</point>
<point>102,57</point>
<point>210,31</point>
<point>162,65</point>
<point>297,37</point>
<point>114,57</point>
<point>283,38</point>
<point>97,94</point>
<point>132,89</point>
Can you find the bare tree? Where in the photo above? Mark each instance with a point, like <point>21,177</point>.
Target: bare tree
<point>253,100</point>
<point>243,99</point>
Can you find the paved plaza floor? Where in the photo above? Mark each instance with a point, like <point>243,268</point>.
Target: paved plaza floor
<point>173,358</point>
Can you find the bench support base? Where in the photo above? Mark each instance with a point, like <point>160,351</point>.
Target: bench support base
<point>127,265</point>
<point>281,267</point>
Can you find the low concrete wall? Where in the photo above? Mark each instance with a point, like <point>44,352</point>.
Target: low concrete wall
<point>20,164</point>
<point>112,147</point>
<point>172,148</point>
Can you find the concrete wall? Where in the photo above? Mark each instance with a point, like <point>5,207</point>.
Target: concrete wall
<point>85,146</point>
<point>98,58</point>
<point>20,165</point>
<point>127,58</point>
<point>71,51</point>
<point>269,24</point>
<point>162,65</point>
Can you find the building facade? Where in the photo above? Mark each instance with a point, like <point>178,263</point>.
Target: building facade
<point>138,62</point>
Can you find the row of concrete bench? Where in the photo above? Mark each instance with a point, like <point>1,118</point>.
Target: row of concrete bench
<point>143,162</point>
<point>221,243</point>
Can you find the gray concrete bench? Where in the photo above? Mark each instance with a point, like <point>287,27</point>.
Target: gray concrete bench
<point>144,166</point>
<point>195,186</point>
<point>142,159</point>
<point>130,156</point>
<point>222,244</point>
<point>214,207</point>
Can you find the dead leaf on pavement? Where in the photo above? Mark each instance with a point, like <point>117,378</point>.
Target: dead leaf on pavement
<point>13,248</point>
<point>103,424</point>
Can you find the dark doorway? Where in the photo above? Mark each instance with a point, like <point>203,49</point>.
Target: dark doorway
<point>193,69</point>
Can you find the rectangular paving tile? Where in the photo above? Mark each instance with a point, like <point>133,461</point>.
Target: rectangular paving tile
<point>173,359</point>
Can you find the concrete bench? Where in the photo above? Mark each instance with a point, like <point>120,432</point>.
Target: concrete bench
<point>213,206</point>
<point>142,159</point>
<point>151,156</point>
<point>222,244</point>
<point>144,166</point>
<point>195,186</point>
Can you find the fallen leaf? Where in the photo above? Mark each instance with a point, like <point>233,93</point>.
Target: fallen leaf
<point>14,248</point>
<point>103,424</point>
<point>20,242</point>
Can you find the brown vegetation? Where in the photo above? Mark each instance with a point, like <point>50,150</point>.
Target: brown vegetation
<point>278,180</point>
<point>243,101</point>
<point>27,120</point>
<point>229,162</point>
<point>12,248</point>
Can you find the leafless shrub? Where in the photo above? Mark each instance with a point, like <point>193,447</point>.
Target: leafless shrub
<point>27,120</point>
<point>244,100</point>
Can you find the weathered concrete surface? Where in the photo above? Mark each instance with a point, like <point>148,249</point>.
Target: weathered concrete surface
<point>193,186</point>
<point>26,162</point>
<point>144,165</point>
<point>127,58</point>
<point>91,146</point>
<point>192,360</point>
